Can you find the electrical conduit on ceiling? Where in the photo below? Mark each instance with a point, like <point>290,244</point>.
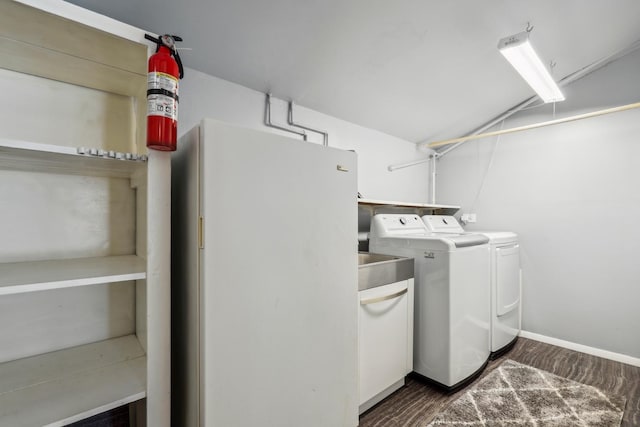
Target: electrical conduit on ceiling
<point>565,81</point>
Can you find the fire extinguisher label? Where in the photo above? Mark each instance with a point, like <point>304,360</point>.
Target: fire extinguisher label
<point>162,105</point>
<point>157,80</point>
<point>162,95</point>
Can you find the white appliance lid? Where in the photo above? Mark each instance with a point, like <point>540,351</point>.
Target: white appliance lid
<point>442,224</point>
<point>500,237</point>
<point>466,239</point>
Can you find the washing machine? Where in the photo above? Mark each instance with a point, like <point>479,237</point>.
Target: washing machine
<point>451,296</point>
<point>505,281</point>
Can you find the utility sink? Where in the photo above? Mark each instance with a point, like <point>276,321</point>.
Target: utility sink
<point>378,270</point>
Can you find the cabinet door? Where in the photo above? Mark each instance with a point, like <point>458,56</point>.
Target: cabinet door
<point>383,337</point>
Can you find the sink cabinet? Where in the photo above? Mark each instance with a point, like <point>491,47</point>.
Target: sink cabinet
<point>385,335</point>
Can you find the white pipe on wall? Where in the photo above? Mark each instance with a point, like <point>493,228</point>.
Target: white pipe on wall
<point>537,125</point>
<point>433,159</point>
<point>392,168</point>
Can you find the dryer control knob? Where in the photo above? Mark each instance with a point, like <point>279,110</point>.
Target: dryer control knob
<point>403,220</point>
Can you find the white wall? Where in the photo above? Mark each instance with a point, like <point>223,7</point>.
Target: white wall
<point>572,192</point>
<point>202,96</point>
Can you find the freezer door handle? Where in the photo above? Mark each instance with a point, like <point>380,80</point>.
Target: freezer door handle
<point>384,297</point>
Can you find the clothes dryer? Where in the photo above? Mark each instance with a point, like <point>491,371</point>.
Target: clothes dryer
<point>505,281</point>
<point>451,315</point>
<point>505,290</point>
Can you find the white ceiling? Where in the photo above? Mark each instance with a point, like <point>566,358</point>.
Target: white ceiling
<point>416,69</point>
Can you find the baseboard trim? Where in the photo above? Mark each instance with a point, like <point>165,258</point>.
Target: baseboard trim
<point>605,354</point>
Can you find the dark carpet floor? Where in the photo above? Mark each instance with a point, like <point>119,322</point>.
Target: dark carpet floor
<point>417,403</point>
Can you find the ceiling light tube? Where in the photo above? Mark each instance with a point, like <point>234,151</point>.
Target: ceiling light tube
<point>519,52</point>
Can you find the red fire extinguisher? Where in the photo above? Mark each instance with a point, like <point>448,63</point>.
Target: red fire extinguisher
<point>165,69</point>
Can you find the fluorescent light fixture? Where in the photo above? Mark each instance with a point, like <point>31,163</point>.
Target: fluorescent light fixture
<point>519,52</point>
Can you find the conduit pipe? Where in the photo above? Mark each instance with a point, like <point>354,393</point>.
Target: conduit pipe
<point>325,135</point>
<point>267,120</point>
<point>565,81</point>
<point>538,125</point>
<point>482,128</point>
<point>433,159</point>
<point>392,168</point>
<point>492,123</point>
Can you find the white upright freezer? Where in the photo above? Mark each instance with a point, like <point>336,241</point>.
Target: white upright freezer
<point>264,281</point>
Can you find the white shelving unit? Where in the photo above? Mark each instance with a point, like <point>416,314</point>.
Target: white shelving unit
<point>442,209</point>
<point>32,276</point>
<point>60,387</point>
<point>85,220</point>
<point>64,386</point>
<point>36,157</point>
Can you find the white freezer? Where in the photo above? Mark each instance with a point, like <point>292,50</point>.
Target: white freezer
<point>264,281</point>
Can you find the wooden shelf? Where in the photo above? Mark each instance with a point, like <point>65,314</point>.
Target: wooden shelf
<point>98,68</point>
<point>36,157</point>
<point>444,209</point>
<point>35,42</point>
<point>65,386</point>
<point>20,277</point>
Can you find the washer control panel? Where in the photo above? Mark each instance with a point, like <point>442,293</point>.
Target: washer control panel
<point>392,224</point>
<point>442,224</point>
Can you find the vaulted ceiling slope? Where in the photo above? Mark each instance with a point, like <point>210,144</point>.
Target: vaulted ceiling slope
<point>416,69</point>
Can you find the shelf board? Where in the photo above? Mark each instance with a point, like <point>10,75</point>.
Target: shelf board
<point>65,386</point>
<point>446,208</point>
<point>36,157</point>
<point>20,277</point>
<point>36,42</point>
